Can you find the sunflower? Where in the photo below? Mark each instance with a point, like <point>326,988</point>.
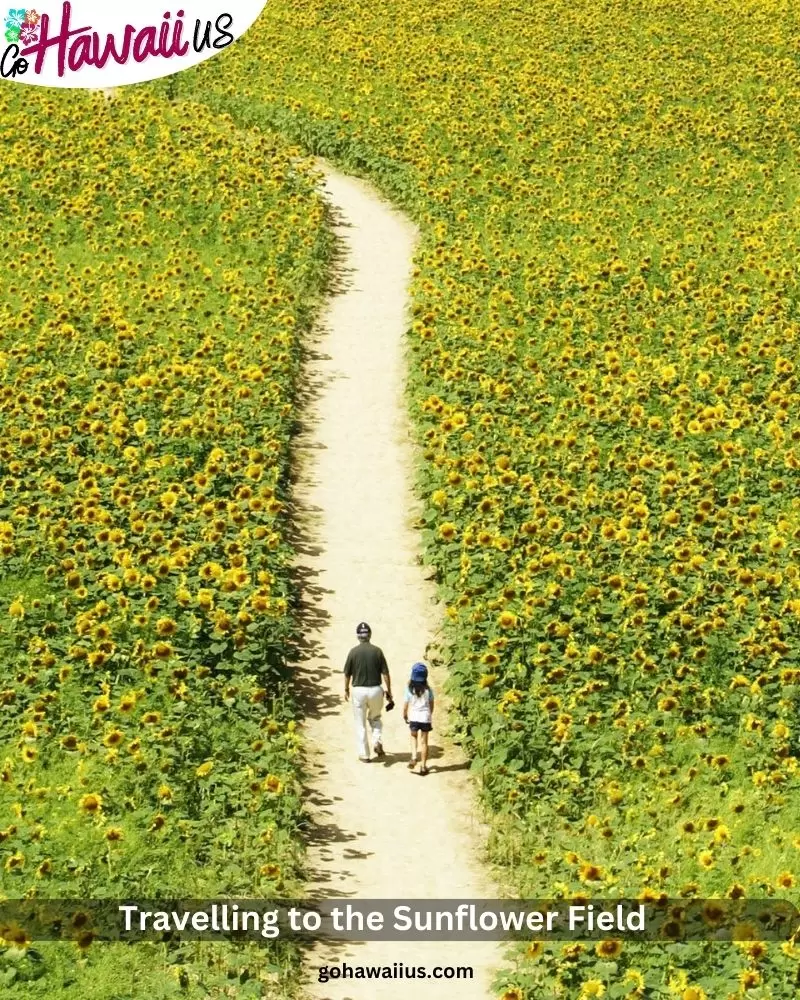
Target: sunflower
<point>14,936</point>
<point>754,949</point>
<point>166,627</point>
<point>211,571</point>
<point>588,872</point>
<point>205,599</point>
<point>713,913</point>
<point>91,804</point>
<point>273,784</point>
<point>15,861</point>
<point>84,940</point>
<point>610,948</point>
<point>749,979</point>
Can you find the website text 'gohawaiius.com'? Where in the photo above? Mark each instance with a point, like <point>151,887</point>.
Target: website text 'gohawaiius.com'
<point>397,970</point>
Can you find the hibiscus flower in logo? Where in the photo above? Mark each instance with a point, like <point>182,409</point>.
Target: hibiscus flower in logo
<point>28,34</point>
<point>32,18</point>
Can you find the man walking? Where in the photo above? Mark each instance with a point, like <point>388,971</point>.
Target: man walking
<point>365,668</point>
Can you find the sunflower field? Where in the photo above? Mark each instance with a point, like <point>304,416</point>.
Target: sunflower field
<point>603,360</point>
<point>160,268</point>
<point>604,382</point>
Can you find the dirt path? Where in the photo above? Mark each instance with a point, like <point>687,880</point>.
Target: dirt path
<point>380,831</point>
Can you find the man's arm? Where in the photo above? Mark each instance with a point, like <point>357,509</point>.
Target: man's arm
<point>387,679</point>
<point>348,673</point>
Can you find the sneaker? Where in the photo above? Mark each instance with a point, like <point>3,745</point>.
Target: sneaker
<point>365,760</point>
<point>379,751</point>
<point>423,770</point>
<point>412,764</point>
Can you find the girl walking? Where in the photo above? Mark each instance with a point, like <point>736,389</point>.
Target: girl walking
<point>418,713</point>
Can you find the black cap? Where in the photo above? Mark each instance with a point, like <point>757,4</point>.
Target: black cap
<point>363,629</point>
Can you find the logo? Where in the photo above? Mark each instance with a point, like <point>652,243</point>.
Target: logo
<point>95,44</point>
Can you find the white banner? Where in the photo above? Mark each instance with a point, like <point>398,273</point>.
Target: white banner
<point>99,44</point>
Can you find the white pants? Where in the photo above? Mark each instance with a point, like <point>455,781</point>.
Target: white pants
<point>367,706</point>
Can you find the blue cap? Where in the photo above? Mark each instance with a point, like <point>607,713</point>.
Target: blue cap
<point>419,672</point>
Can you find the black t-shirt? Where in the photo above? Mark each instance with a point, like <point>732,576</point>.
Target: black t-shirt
<point>364,665</point>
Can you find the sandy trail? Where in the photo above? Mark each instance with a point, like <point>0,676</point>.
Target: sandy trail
<point>380,831</point>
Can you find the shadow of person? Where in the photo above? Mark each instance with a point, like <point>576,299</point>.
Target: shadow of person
<point>390,759</point>
<point>434,753</point>
<point>438,769</point>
